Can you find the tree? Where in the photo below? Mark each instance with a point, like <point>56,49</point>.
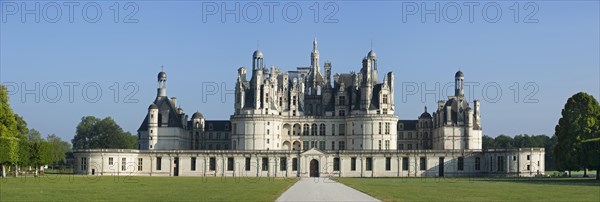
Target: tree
<point>579,121</point>
<point>550,161</point>
<point>94,133</point>
<point>40,153</point>
<point>488,142</point>
<point>59,148</point>
<point>504,142</point>
<point>9,133</point>
<point>34,135</point>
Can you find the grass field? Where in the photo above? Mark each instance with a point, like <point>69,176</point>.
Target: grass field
<point>477,189</point>
<point>85,188</point>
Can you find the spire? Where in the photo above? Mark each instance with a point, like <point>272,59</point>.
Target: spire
<point>425,109</point>
<point>315,45</point>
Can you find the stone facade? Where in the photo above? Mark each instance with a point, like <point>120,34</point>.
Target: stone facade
<point>307,123</point>
<point>527,162</point>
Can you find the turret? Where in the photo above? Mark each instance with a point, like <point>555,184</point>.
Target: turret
<point>152,126</point>
<point>372,57</point>
<point>162,85</point>
<point>327,74</point>
<point>459,84</point>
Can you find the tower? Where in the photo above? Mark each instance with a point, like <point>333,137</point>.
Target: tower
<point>372,57</point>
<point>459,84</point>
<point>162,84</point>
<point>152,126</point>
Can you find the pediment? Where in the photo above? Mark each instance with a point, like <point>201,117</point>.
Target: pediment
<point>313,151</point>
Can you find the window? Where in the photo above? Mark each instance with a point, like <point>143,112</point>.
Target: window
<point>388,163</point>
<point>342,145</point>
<point>322,145</point>
<point>369,164</point>
<point>500,163</point>
<point>212,164</point>
<point>404,163</point>
<point>332,129</point>
<point>294,164</point>
<point>265,164</point>
<point>230,164</point>
<point>387,145</point>
<point>379,143</point>
<point>110,161</point>
<point>247,165</point>
<point>313,129</point>
<point>514,158</point>
<point>477,163</point>
<point>528,157</point>
<point>409,146</point>
<point>342,129</point>
<point>332,145</point>
<point>305,131</point>
<point>353,164</point>
<point>124,164</point>
<point>84,164</point>
<point>140,163</point>
<point>283,164</point>
<point>528,167</point>
<point>461,163</point>
<point>294,103</point>
<point>158,163</point>
<point>322,130</point>
<point>336,164</point>
<point>342,113</point>
<point>193,163</point>
<point>342,100</point>
<point>423,163</point>
<point>379,128</point>
<point>410,135</point>
<point>305,145</point>
<point>267,141</point>
<point>385,98</point>
<point>401,147</point>
<point>385,111</point>
<point>401,135</point>
<point>387,128</point>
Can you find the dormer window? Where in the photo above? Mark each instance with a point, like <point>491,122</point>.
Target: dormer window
<point>210,126</point>
<point>342,100</point>
<point>385,98</point>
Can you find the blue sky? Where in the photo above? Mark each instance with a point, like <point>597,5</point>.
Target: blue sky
<point>548,60</point>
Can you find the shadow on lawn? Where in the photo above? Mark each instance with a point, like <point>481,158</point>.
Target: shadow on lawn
<point>554,181</point>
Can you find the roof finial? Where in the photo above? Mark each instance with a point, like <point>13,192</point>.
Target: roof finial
<point>257,44</point>
<point>371,44</point>
<point>425,108</point>
<point>162,68</point>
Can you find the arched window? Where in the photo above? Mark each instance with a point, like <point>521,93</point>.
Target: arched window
<point>322,130</point>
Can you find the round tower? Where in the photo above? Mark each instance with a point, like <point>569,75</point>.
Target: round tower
<point>162,84</point>
<point>152,126</point>
<point>459,84</point>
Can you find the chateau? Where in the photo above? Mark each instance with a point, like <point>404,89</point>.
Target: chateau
<point>311,122</point>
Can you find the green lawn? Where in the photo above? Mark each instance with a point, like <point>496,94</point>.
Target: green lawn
<point>85,188</point>
<point>477,189</point>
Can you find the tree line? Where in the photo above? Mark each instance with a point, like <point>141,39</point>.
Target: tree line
<point>21,146</point>
<point>24,147</point>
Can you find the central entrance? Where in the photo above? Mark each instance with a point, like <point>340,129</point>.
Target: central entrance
<point>314,168</point>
